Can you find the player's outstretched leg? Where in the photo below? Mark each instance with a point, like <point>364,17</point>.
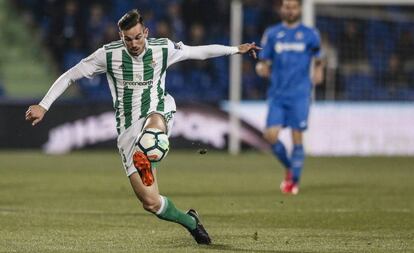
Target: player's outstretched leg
<point>189,220</point>
<point>199,233</point>
<point>165,209</point>
<point>145,184</point>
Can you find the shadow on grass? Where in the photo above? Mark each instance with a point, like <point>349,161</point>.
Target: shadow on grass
<point>225,247</point>
<point>329,189</point>
<point>220,194</point>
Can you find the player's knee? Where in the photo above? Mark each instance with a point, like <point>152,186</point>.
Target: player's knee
<point>271,136</point>
<point>151,204</point>
<point>297,137</point>
<point>156,120</point>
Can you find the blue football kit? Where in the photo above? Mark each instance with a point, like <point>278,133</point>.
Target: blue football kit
<point>291,51</point>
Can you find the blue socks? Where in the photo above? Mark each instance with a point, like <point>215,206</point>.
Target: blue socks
<point>298,157</point>
<point>279,151</point>
<point>295,164</point>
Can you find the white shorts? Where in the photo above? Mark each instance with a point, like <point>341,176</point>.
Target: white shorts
<point>126,140</point>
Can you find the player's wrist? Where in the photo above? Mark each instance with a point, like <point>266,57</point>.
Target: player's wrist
<point>43,106</point>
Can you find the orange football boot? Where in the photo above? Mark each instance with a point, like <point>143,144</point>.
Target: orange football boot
<point>143,165</point>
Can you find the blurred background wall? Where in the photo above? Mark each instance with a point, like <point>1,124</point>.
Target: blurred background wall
<point>368,47</point>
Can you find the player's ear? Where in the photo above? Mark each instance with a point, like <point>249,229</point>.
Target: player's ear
<point>120,35</point>
<point>146,31</point>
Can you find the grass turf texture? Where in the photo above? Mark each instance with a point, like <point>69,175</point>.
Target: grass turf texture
<point>82,202</point>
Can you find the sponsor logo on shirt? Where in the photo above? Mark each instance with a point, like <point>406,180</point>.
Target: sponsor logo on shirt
<point>281,47</point>
<point>136,84</point>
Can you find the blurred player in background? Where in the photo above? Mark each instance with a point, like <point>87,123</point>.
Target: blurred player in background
<point>288,51</point>
<point>135,67</point>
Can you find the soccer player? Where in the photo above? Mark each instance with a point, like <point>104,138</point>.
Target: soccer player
<point>136,67</point>
<point>288,51</point>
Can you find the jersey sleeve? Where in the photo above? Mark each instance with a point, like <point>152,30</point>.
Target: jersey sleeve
<point>88,67</point>
<point>180,52</point>
<point>176,52</point>
<point>93,64</point>
<point>315,44</point>
<point>267,46</point>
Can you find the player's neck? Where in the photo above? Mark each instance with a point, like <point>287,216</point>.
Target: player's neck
<point>291,25</point>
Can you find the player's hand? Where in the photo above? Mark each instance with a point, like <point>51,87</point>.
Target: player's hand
<point>35,114</point>
<point>249,48</point>
<point>317,77</point>
<point>263,69</point>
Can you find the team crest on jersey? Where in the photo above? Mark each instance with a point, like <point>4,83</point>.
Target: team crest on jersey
<point>177,46</point>
<point>138,77</point>
<point>153,64</point>
<point>280,34</point>
<point>299,36</point>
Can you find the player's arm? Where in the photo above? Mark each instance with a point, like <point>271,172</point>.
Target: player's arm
<point>211,51</point>
<point>263,68</point>
<point>318,59</point>
<point>88,67</point>
<point>180,52</point>
<point>265,56</point>
<point>318,71</point>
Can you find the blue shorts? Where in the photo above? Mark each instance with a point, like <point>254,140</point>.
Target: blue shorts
<point>289,112</point>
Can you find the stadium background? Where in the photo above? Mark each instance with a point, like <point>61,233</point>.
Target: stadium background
<point>80,201</point>
<point>369,72</point>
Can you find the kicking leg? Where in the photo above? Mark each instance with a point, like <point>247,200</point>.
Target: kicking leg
<point>146,189</point>
<point>165,209</point>
<point>140,160</point>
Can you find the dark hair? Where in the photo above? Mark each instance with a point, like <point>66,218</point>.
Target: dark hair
<point>130,19</point>
<point>299,1</point>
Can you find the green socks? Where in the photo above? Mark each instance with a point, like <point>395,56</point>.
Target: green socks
<point>169,212</point>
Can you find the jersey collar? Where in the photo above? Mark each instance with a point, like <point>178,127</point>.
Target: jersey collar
<point>291,27</point>
<point>138,57</point>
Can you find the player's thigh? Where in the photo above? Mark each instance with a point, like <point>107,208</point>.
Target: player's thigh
<point>276,115</point>
<point>276,120</point>
<point>126,145</point>
<point>127,139</point>
<point>162,120</point>
<point>298,112</point>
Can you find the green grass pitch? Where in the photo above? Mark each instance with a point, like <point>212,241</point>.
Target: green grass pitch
<point>82,202</point>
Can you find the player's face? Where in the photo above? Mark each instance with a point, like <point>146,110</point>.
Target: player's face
<point>291,11</point>
<point>134,39</point>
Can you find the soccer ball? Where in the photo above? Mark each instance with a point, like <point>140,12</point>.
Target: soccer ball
<point>153,143</point>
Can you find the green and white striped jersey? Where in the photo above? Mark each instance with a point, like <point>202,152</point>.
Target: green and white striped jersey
<point>137,83</point>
